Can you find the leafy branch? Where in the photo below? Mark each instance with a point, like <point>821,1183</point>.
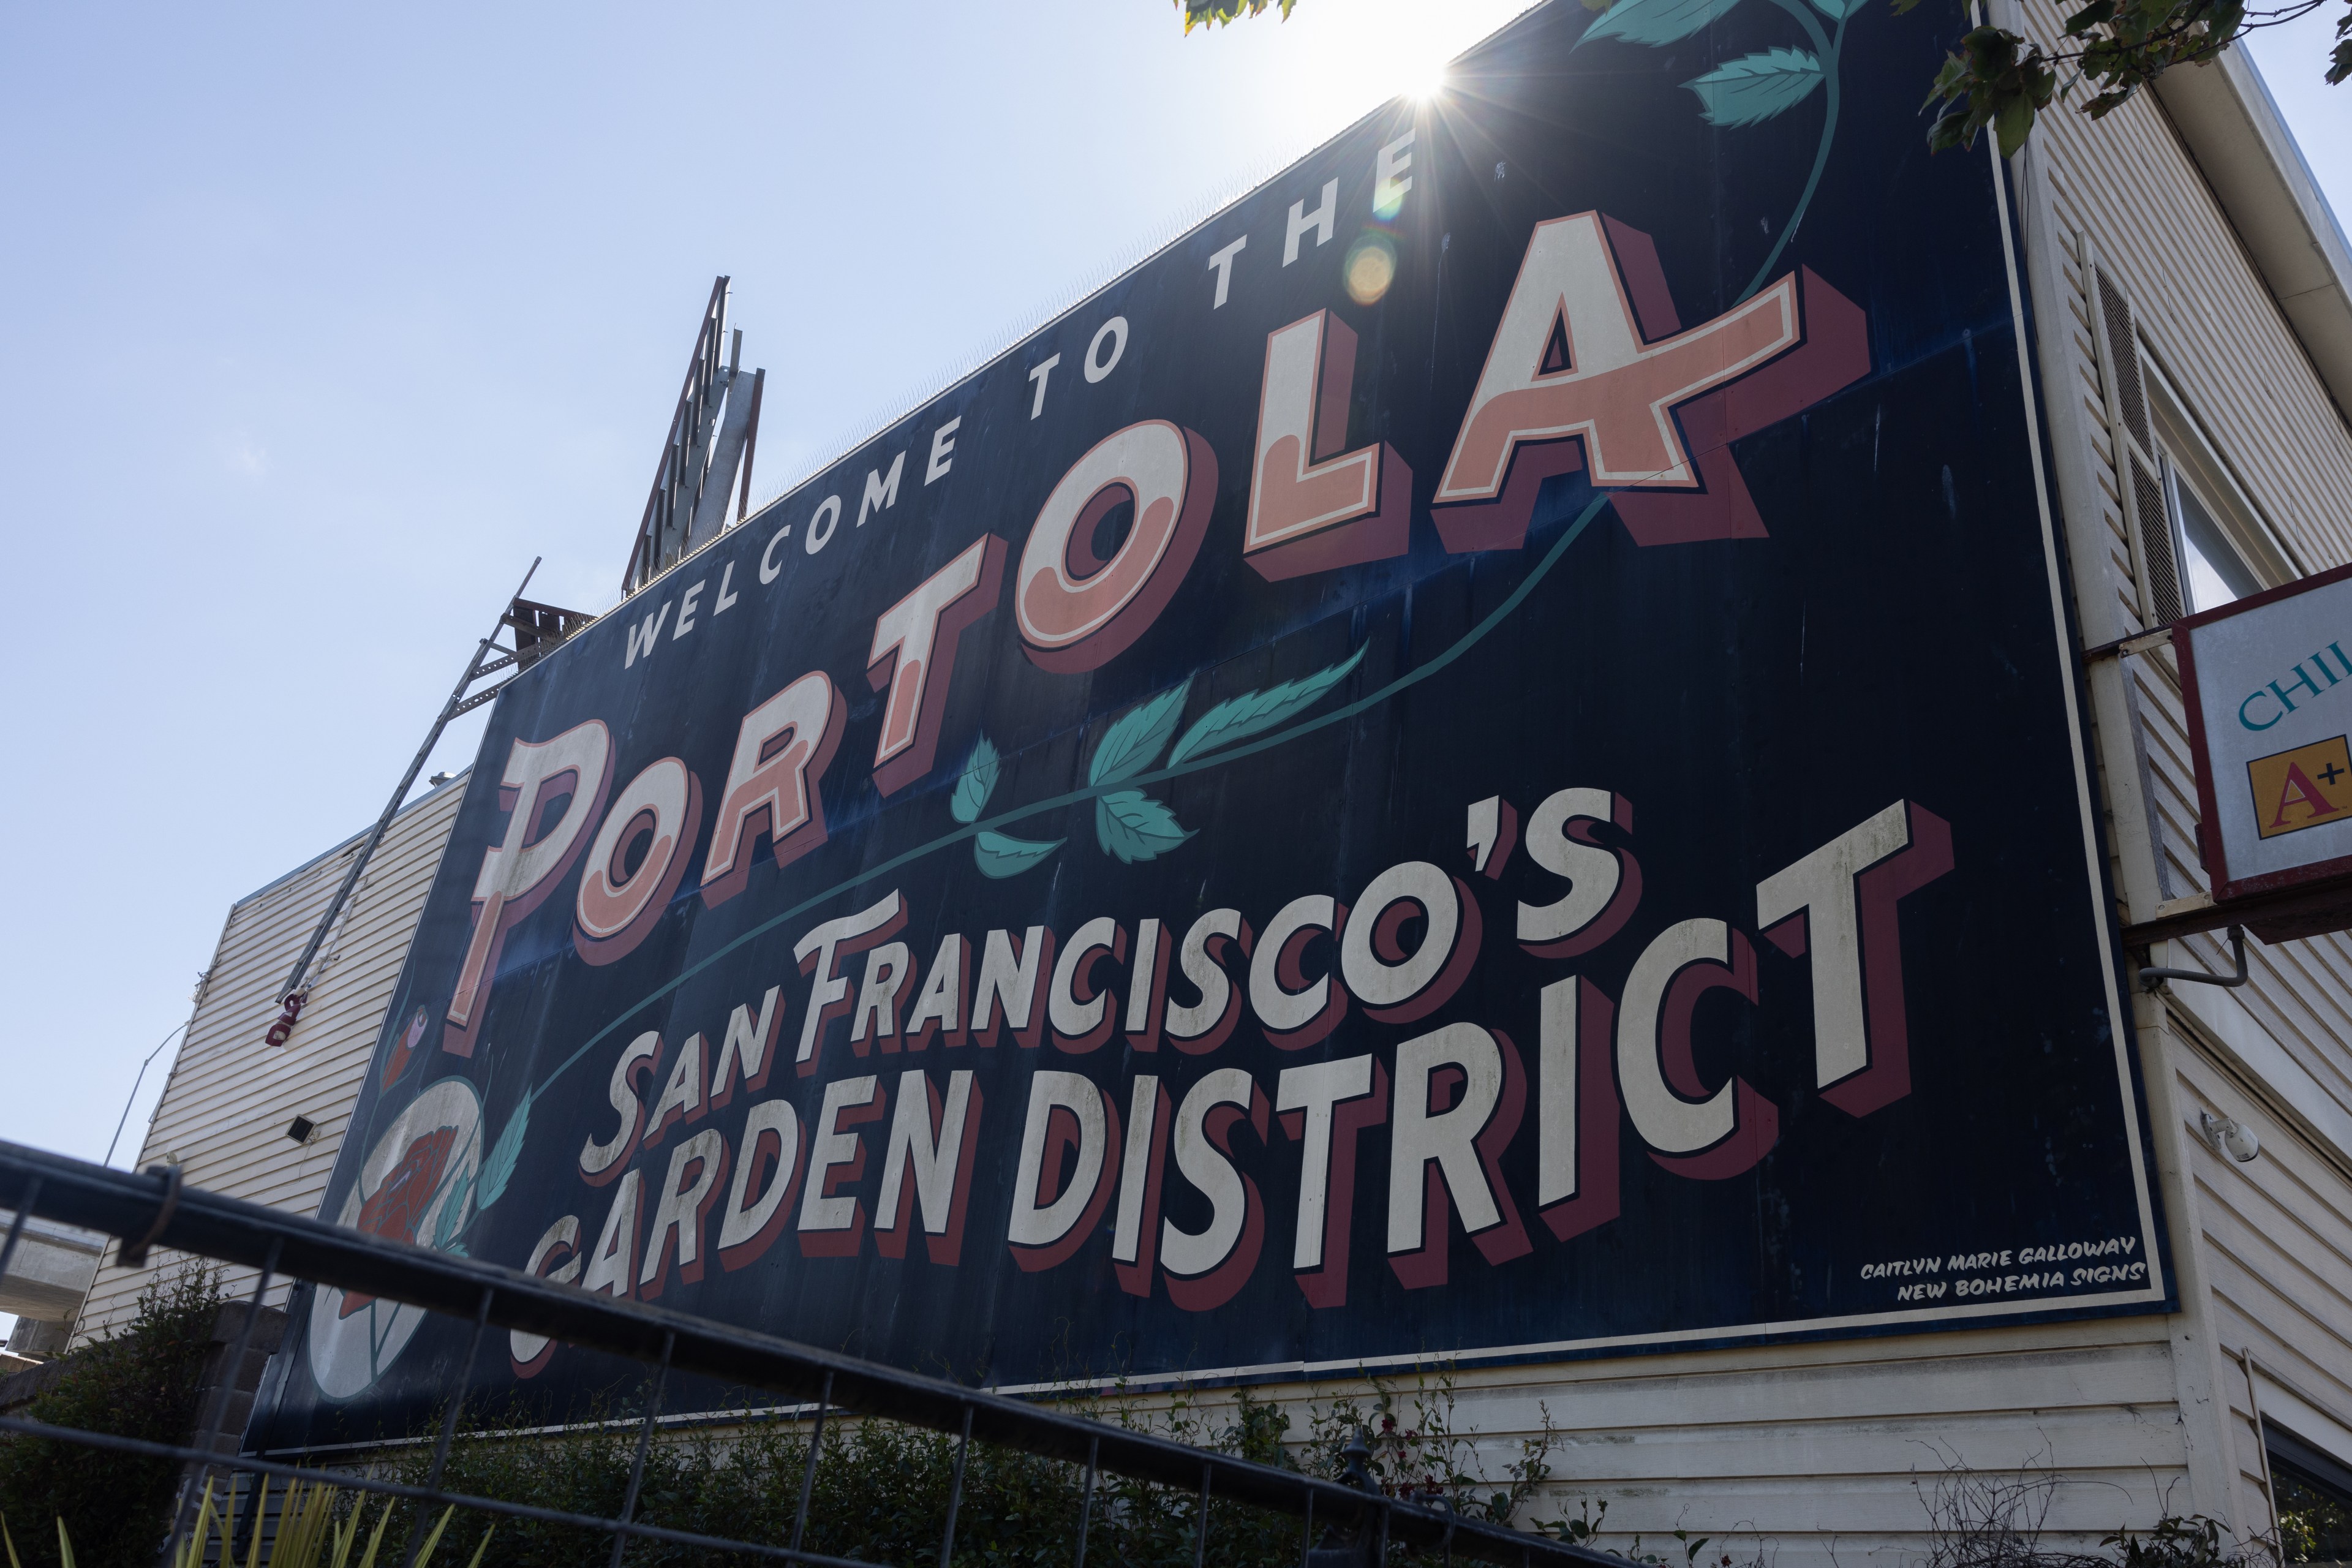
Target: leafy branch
<point>1994,80</point>
<point>484,1186</point>
<point>1749,89</point>
<point>1131,825</point>
<point>1999,80</point>
<point>1223,13</point>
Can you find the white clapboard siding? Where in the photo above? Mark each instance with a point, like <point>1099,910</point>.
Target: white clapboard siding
<point>1820,1454</point>
<point>2218,334</point>
<point>2269,1243</point>
<point>224,1112</point>
<point>2277,1252</point>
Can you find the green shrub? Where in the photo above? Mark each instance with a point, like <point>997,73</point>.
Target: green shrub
<point>881,1489</point>
<point>141,1382</point>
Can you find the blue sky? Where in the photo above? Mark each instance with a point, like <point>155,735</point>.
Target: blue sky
<point>317,324</point>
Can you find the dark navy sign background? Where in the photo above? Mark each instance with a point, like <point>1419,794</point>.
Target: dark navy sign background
<point>1473,759</point>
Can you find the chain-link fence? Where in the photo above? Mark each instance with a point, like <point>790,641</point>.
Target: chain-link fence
<point>1341,1522</point>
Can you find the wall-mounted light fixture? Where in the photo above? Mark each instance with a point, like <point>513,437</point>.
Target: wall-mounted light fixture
<point>2235,1138</point>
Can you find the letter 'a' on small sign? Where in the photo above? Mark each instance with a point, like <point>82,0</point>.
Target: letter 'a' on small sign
<point>2301,788</point>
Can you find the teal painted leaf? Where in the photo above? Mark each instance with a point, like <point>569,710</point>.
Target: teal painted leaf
<point>1839,10</point>
<point>499,1166</point>
<point>999,856</point>
<point>1755,88</point>
<point>1132,744</point>
<point>1655,22</point>
<point>978,782</point>
<point>1239,718</point>
<point>445,1225</point>
<point>1133,826</point>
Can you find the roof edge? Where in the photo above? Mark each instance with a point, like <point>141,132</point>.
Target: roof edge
<point>2233,130</point>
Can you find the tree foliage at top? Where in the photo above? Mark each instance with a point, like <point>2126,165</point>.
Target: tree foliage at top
<point>1998,80</point>
<point>1218,13</point>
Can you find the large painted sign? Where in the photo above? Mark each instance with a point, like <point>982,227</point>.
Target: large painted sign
<point>1476,760</point>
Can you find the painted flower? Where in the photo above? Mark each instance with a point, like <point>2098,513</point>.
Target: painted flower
<point>397,1207</point>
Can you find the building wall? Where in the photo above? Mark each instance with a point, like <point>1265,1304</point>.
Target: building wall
<point>224,1112</point>
<point>2264,1250</point>
<point>1832,1452</point>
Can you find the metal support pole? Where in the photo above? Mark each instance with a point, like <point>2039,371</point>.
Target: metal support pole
<point>17,1225</point>
<point>1087,1499</point>
<point>1307,1535</point>
<point>475,669</point>
<point>644,1441</point>
<point>808,1475</point>
<point>955,1490</point>
<point>132,1097</point>
<point>217,1410</point>
<point>1201,1536</point>
<point>449,1424</point>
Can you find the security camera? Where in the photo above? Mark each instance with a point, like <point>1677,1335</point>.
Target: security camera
<point>2235,1138</point>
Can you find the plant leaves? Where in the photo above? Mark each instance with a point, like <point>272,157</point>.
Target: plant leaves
<point>1132,744</point>
<point>1133,826</point>
<point>1239,718</point>
<point>999,856</point>
<point>1655,22</point>
<point>445,1224</point>
<point>499,1167</point>
<point>1755,88</point>
<point>976,785</point>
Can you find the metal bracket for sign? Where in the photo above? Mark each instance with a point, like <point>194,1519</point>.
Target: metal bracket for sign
<point>536,627</point>
<point>706,461</point>
<point>2124,648</point>
<point>2151,977</point>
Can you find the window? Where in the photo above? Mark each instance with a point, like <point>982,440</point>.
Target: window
<point>2212,533</point>
<point>2312,1500</point>
<point>2212,573</point>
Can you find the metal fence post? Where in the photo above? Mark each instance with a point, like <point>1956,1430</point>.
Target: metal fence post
<point>955,1490</point>
<point>1200,1540</point>
<point>808,1475</point>
<point>449,1424</point>
<point>644,1441</point>
<point>217,1410</point>
<point>16,1226</point>
<point>1087,1498</point>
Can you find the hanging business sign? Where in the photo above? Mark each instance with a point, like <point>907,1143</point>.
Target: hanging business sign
<point>1374,792</point>
<point>2268,728</point>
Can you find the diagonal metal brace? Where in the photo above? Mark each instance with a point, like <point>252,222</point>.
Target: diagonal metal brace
<point>480,664</point>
